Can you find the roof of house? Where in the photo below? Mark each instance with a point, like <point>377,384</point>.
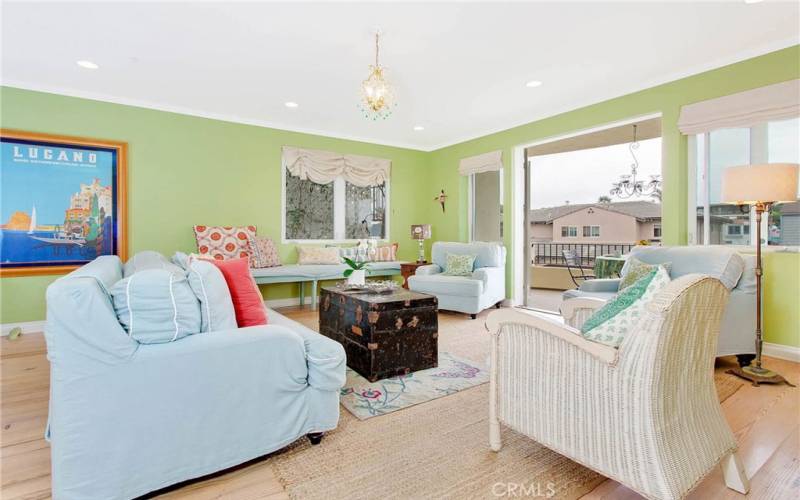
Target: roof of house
<point>790,208</point>
<point>641,210</point>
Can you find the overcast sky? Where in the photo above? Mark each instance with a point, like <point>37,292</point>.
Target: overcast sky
<point>583,176</point>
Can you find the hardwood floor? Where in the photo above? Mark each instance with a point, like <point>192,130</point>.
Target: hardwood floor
<point>766,421</point>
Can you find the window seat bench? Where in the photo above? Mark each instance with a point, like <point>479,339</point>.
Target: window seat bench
<point>314,273</point>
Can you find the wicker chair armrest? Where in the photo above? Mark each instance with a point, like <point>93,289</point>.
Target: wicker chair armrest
<point>576,311</point>
<point>540,325</point>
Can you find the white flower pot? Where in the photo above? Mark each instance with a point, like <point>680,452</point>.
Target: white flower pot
<point>357,278</point>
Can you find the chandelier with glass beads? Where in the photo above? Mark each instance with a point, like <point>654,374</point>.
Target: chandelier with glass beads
<point>377,97</point>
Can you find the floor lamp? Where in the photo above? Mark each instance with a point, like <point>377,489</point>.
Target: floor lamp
<point>761,186</point>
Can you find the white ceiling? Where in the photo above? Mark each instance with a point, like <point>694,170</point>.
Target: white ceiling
<point>459,69</point>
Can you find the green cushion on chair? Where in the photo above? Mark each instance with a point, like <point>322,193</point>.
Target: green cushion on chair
<point>611,323</point>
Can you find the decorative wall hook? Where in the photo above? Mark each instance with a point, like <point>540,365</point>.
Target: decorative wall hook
<point>441,199</point>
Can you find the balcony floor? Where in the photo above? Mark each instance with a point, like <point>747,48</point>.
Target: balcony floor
<point>547,300</point>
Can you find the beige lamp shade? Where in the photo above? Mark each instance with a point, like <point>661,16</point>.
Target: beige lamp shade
<point>421,231</point>
<point>766,183</point>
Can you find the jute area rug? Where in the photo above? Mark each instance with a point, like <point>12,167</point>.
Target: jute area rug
<point>438,449</point>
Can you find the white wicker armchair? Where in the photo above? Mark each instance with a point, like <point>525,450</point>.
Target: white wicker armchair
<point>646,414</point>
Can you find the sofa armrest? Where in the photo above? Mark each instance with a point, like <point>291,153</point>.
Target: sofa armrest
<point>601,285</point>
<point>428,270</point>
<point>326,361</point>
<point>291,359</point>
<point>490,274</point>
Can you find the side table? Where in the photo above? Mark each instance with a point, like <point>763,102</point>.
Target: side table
<point>408,269</point>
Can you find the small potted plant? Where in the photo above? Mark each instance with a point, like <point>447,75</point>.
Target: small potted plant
<point>357,273</point>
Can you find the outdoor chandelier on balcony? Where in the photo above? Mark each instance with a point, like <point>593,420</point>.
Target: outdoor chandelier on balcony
<point>629,186</point>
<point>377,98</point>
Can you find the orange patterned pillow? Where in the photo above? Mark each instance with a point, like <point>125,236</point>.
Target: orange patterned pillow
<point>224,242</point>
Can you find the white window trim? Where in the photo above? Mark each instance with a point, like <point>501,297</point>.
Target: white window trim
<point>339,208</point>
<point>759,153</point>
<point>471,202</point>
<point>568,231</point>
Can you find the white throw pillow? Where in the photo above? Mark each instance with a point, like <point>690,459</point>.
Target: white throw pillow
<point>318,255</point>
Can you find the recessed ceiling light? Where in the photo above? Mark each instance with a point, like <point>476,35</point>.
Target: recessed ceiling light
<point>290,104</point>
<point>533,84</point>
<point>419,128</point>
<point>87,64</point>
<point>753,1</point>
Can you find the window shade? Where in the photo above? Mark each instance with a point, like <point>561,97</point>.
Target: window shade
<point>487,162</point>
<point>744,109</point>
<point>323,167</point>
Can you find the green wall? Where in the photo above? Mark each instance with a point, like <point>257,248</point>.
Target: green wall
<point>184,170</point>
<point>782,280</point>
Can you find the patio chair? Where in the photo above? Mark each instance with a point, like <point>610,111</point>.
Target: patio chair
<point>573,262</point>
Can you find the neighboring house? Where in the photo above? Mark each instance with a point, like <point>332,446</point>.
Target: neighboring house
<point>789,230</point>
<point>620,222</point>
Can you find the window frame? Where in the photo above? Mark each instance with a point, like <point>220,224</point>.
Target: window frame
<point>471,203</point>
<point>758,152</point>
<point>590,227</point>
<point>660,234</point>
<point>567,228</point>
<point>339,217</point>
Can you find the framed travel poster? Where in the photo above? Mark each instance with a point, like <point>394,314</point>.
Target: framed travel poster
<point>62,202</point>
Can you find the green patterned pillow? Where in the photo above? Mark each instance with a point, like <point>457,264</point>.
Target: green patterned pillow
<point>459,265</point>
<point>635,270</point>
<point>611,323</point>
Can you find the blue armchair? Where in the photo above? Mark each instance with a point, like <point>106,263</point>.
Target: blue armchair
<point>128,418</point>
<point>736,271</point>
<point>486,286</point>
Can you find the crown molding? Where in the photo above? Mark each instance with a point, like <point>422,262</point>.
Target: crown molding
<point>232,118</point>
<point>224,117</point>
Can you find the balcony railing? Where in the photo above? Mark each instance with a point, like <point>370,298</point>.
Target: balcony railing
<point>550,254</point>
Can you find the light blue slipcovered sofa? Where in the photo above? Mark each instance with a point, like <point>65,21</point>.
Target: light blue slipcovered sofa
<point>128,418</point>
<point>467,294</point>
<point>735,271</point>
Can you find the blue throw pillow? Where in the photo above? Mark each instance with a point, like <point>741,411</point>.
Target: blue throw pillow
<point>210,287</point>
<point>156,306</point>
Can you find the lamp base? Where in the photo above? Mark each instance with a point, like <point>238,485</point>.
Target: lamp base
<point>759,375</point>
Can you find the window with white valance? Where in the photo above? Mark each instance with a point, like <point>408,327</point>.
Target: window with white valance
<point>776,102</point>
<point>757,126</point>
<point>330,196</point>
<point>485,174</point>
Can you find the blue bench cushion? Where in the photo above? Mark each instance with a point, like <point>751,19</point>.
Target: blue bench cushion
<point>439,284</point>
<point>317,271</point>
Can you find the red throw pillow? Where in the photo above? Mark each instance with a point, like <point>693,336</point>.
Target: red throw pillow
<point>247,300</point>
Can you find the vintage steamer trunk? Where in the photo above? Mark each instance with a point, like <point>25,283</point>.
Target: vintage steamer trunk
<point>383,334</point>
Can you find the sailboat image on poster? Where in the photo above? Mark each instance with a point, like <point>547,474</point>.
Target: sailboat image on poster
<point>32,227</point>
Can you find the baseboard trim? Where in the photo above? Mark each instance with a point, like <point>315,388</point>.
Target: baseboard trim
<point>27,327</point>
<point>780,351</point>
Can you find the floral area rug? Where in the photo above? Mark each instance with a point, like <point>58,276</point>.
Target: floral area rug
<point>366,399</point>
